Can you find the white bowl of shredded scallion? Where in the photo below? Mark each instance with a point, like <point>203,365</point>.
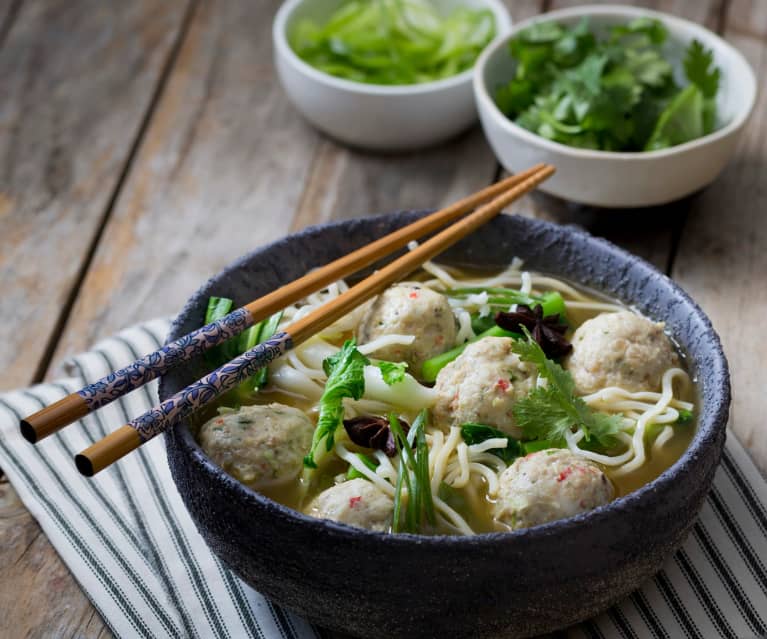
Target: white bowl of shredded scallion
<point>384,74</point>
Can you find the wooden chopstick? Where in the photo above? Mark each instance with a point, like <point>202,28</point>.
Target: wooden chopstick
<point>200,393</point>
<point>123,381</point>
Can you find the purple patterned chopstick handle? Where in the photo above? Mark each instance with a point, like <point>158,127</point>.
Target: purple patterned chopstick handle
<point>204,391</point>
<point>144,370</point>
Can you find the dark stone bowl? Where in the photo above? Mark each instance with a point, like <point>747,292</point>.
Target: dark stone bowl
<point>492,585</point>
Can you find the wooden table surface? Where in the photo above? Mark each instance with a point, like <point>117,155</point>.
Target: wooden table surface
<point>145,144</point>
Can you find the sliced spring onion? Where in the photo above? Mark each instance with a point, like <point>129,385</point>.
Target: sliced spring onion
<point>393,41</point>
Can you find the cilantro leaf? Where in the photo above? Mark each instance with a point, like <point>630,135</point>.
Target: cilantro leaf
<point>697,63</point>
<point>346,378</point>
<point>392,372</point>
<point>551,411</point>
<point>699,69</point>
<point>680,122</point>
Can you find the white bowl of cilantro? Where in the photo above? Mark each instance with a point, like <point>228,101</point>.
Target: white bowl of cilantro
<point>634,107</point>
<point>385,74</point>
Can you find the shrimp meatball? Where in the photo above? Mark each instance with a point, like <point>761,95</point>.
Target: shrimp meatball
<point>482,385</point>
<point>409,310</point>
<point>620,349</point>
<point>259,445</point>
<point>356,502</point>
<point>549,485</point>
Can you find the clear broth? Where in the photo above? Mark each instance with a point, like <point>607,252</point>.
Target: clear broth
<point>471,502</point>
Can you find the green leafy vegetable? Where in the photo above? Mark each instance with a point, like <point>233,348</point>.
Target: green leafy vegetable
<point>551,411</point>
<point>268,328</point>
<point>685,417</point>
<point>478,433</point>
<point>345,371</point>
<point>616,93</point>
<point>699,69</point>
<point>551,301</point>
<point>218,307</point>
<point>393,41</point>
<point>392,372</point>
<point>369,461</point>
<point>413,473</point>
<point>432,367</point>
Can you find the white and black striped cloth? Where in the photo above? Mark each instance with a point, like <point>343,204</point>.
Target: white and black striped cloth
<point>130,543</point>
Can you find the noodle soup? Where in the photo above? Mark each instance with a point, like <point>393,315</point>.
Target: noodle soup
<point>459,403</point>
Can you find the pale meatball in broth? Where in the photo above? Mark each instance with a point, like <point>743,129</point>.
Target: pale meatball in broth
<point>620,349</point>
<point>482,385</point>
<point>549,485</point>
<point>261,445</point>
<point>409,310</point>
<point>356,502</point>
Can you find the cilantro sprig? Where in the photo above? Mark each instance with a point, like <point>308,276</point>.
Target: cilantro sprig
<point>614,93</point>
<point>550,412</point>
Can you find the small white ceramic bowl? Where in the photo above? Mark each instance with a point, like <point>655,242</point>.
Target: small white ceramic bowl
<point>388,118</point>
<point>615,179</point>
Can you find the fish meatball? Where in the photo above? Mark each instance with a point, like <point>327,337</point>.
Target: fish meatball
<point>259,445</point>
<point>549,485</point>
<point>482,385</point>
<point>356,502</point>
<point>620,349</point>
<point>409,310</point>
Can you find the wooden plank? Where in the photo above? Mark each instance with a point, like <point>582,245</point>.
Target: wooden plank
<point>70,106</point>
<point>77,79</point>
<point>722,261</point>
<point>648,232</point>
<point>8,11</point>
<point>44,600</point>
<point>220,171</point>
<point>347,183</point>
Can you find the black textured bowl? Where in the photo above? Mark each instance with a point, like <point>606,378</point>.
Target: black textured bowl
<point>502,584</point>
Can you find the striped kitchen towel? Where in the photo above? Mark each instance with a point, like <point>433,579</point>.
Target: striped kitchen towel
<point>131,545</point>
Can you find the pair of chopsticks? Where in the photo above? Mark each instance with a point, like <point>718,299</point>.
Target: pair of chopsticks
<point>130,436</point>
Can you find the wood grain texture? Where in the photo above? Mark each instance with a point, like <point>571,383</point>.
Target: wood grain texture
<point>220,172</point>
<point>76,82</point>
<point>8,11</point>
<point>39,598</point>
<point>722,257</point>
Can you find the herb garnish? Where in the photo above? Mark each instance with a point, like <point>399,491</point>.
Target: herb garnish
<point>372,431</point>
<point>548,331</point>
<point>551,411</point>
<point>345,371</point>
<point>615,93</point>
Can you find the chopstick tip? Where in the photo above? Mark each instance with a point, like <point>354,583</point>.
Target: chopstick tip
<point>84,465</point>
<point>27,431</point>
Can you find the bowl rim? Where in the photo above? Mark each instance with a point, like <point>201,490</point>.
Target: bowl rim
<point>279,38</point>
<point>487,105</point>
<point>710,427</point>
